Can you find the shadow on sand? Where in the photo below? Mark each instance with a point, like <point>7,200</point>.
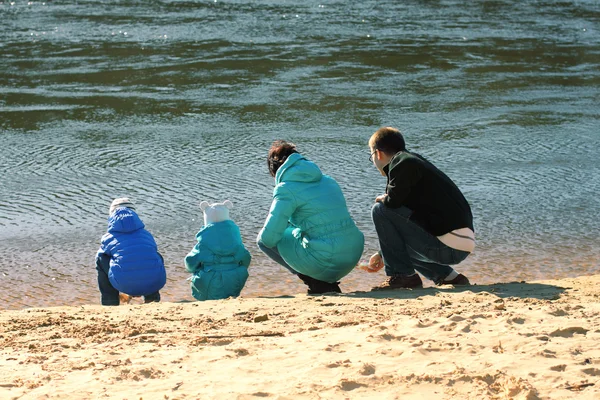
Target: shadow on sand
<point>522,290</point>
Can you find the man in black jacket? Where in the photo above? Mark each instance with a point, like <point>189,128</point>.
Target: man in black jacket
<point>423,221</point>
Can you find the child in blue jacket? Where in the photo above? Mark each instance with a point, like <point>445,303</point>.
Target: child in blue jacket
<point>219,261</point>
<point>128,260</point>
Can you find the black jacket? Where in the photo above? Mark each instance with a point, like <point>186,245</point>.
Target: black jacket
<point>438,205</point>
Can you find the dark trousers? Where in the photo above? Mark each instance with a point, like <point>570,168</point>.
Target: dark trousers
<point>274,255</point>
<point>407,247</point>
<point>110,295</point>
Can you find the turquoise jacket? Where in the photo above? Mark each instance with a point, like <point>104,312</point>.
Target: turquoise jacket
<point>219,262</point>
<point>310,224</point>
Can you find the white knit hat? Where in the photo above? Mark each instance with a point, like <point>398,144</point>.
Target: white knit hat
<point>215,212</point>
<point>120,202</point>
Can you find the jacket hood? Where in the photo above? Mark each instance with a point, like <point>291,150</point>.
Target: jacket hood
<point>298,169</point>
<point>221,238</point>
<point>124,220</point>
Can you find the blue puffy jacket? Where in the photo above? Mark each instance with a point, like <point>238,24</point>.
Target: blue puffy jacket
<point>136,267</point>
<point>219,262</point>
<point>310,223</point>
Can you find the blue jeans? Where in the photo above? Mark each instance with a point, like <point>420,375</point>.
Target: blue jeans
<point>274,255</point>
<point>406,247</point>
<point>110,295</point>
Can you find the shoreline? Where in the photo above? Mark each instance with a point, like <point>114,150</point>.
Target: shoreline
<point>21,292</point>
<point>522,340</point>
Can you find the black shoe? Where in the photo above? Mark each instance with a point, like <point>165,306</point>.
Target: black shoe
<point>152,298</point>
<point>459,280</point>
<point>316,286</point>
<point>321,287</point>
<point>400,282</point>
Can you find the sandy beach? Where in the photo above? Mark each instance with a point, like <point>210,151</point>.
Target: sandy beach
<point>519,340</point>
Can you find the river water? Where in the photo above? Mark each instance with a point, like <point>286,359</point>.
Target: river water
<point>175,102</point>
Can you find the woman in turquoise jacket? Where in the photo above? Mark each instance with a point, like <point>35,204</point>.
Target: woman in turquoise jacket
<point>309,229</point>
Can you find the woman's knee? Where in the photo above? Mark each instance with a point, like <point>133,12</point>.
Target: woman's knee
<point>262,246</point>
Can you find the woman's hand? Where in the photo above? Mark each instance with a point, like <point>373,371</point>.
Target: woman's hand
<point>379,199</point>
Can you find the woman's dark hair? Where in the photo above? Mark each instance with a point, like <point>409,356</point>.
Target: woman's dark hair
<point>279,152</point>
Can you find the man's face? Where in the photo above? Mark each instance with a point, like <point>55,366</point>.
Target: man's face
<point>377,159</point>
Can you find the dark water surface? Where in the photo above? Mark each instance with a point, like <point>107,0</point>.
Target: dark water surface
<point>174,102</point>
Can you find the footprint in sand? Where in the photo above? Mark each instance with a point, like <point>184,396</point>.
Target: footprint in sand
<point>348,385</point>
<point>516,320</point>
<point>367,369</point>
<point>558,313</point>
<point>448,327</point>
<point>240,352</point>
<point>426,323</point>
<point>389,337</point>
<point>339,364</point>
<point>143,373</point>
<point>591,371</point>
<point>547,353</point>
<point>335,348</point>
<point>569,332</point>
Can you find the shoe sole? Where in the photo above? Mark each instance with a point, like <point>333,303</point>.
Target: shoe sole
<point>456,283</point>
<point>377,289</point>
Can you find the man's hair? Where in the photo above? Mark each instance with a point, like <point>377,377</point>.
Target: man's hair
<point>387,139</point>
<point>279,152</point>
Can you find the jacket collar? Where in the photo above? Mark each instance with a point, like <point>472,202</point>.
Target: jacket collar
<point>386,169</point>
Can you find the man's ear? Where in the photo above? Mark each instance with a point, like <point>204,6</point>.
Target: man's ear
<point>382,155</point>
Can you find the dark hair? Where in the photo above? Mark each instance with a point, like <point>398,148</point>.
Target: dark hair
<point>279,152</point>
<point>387,139</point>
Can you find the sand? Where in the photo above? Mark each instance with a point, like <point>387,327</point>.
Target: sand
<point>520,340</point>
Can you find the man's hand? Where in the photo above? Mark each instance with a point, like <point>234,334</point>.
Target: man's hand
<point>379,199</point>
<point>375,263</point>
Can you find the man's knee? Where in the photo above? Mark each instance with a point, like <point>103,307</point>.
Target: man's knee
<point>383,214</point>
<point>377,210</point>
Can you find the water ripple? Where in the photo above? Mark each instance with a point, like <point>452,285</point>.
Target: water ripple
<point>175,102</point>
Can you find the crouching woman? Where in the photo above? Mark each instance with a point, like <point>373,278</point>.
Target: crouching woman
<point>308,230</point>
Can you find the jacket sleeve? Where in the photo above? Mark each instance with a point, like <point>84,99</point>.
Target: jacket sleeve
<point>401,179</point>
<point>103,252</point>
<point>245,257</point>
<point>282,208</point>
<point>193,261</point>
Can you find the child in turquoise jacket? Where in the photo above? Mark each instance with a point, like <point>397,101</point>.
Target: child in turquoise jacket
<point>219,261</point>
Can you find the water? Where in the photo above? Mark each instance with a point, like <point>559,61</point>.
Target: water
<point>174,102</point>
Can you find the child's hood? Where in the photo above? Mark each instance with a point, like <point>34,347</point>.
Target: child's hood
<point>221,238</point>
<point>124,220</point>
